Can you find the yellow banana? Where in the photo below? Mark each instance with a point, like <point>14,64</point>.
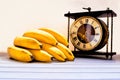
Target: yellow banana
<point>66,51</point>
<point>59,37</point>
<point>19,54</point>
<point>41,55</point>
<point>55,52</point>
<point>41,36</point>
<point>27,42</point>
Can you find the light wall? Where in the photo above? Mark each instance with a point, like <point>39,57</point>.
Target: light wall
<point>18,16</point>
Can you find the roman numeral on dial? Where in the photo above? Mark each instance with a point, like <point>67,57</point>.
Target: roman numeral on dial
<point>73,33</point>
<point>75,38</point>
<point>84,46</point>
<point>78,43</point>
<point>96,27</point>
<point>81,22</point>
<point>92,22</point>
<point>95,40</point>
<point>86,21</point>
<point>97,34</point>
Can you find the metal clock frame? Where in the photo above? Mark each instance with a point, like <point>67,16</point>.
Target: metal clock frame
<point>97,14</point>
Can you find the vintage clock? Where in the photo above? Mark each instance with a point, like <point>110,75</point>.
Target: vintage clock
<point>88,33</point>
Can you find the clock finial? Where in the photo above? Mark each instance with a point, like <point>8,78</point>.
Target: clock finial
<point>89,9</point>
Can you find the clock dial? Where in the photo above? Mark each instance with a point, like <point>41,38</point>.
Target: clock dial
<point>86,33</point>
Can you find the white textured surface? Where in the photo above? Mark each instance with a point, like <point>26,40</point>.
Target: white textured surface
<point>80,69</point>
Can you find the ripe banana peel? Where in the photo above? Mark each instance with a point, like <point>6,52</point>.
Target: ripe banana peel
<point>66,51</point>
<point>54,51</point>
<point>19,54</point>
<point>59,37</point>
<point>41,44</point>
<point>41,36</point>
<point>27,42</point>
<point>41,55</point>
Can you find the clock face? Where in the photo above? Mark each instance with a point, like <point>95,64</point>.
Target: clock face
<point>86,33</point>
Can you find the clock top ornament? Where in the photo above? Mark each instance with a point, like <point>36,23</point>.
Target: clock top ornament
<point>102,13</point>
<point>88,33</point>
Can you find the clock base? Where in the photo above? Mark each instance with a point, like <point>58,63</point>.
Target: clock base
<point>108,55</point>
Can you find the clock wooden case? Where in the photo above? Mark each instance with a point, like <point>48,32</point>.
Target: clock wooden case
<point>88,33</point>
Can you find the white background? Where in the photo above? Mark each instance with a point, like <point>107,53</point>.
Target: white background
<point>18,16</point>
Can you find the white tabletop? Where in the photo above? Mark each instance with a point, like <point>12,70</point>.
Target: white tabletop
<point>79,69</point>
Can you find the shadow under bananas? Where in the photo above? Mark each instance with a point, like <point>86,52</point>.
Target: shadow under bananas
<point>3,54</point>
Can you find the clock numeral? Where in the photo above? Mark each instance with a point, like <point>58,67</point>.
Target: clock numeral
<point>96,27</point>
<point>95,40</point>
<point>86,21</point>
<point>75,38</point>
<point>92,22</point>
<point>78,43</point>
<point>84,46</point>
<point>97,34</point>
<point>76,26</point>
<point>73,33</point>
<point>90,45</point>
<point>81,22</point>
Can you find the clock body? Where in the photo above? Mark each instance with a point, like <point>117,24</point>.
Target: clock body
<point>88,33</point>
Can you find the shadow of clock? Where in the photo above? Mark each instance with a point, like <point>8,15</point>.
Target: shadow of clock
<point>92,57</point>
<point>100,57</point>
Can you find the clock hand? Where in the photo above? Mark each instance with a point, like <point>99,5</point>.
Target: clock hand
<point>82,37</point>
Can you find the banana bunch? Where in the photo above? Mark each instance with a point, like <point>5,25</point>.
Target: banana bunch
<point>43,44</point>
